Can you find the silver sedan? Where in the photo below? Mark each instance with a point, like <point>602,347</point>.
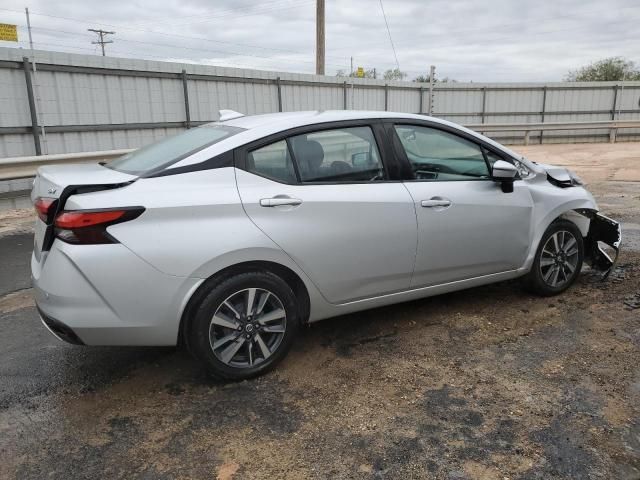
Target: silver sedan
<point>231,236</point>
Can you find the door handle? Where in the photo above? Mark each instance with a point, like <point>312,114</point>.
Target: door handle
<point>279,201</point>
<point>436,202</point>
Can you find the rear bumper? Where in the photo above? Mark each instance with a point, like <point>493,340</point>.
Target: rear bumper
<point>106,295</point>
<point>59,329</point>
<point>602,230</point>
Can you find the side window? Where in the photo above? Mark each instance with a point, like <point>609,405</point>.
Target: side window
<point>339,155</point>
<point>523,172</point>
<point>492,158</point>
<point>436,155</point>
<point>272,161</point>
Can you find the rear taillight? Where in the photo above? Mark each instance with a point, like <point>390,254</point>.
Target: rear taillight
<point>90,226</point>
<point>44,208</point>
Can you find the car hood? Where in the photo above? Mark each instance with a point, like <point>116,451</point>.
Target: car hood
<point>561,174</point>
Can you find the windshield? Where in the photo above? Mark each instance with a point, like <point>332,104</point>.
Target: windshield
<point>170,150</point>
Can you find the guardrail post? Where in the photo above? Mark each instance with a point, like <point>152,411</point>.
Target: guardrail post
<point>279,94</point>
<point>615,100</point>
<point>484,104</point>
<point>612,135</point>
<point>421,107</point>
<point>526,136</point>
<point>386,97</point>
<point>185,91</point>
<point>32,105</point>
<point>344,95</point>
<point>544,108</point>
<point>431,82</point>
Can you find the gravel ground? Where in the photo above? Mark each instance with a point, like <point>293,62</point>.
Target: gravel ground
<point>488,383</point>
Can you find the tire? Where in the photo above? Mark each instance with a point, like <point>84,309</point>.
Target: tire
<point>555,269</point>
<point>260,337</point>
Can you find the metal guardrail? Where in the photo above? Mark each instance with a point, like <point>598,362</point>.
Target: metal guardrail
<point>22,167</point>
<point>612,125</point>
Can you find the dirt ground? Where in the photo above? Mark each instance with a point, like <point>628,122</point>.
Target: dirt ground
<point>488,383</point>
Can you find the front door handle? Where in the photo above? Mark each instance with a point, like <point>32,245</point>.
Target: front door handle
<point>436,202</point>
<point>279,201</point>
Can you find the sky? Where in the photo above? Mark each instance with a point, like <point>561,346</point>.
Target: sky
<point>467,40</point>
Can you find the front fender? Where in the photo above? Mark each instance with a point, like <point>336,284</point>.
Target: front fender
<point>543,218</point>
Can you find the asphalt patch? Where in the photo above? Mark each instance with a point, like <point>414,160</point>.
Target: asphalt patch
<point>15,257</point>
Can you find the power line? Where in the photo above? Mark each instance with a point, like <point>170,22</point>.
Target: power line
<point>101,35</point>
<point>497,28</point>
<point>179,47</point>
<point>225,14</point>
<point>389,32</point>
<point>84,21</point>
<point>231,61</point>
<point>124,54</point>
<point>456,44</point>
<point>229,13</point>
<point>204,15</point>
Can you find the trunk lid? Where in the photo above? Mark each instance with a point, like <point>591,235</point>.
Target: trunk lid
<point>61,181</point>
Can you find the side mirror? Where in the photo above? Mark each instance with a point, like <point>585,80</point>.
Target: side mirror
<point>360,159</point>
<point>505,173</point>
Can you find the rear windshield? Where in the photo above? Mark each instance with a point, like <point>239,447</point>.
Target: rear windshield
<point>159,155</point>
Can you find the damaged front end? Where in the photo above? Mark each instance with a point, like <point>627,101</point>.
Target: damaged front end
<point>602,230</point>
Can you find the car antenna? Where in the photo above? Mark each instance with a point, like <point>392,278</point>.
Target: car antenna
<point>229,115</point>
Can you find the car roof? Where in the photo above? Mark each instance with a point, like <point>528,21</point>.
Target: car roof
<point>256,127</point>
<point>312,117</point>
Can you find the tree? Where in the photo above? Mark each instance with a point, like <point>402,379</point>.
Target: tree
<point>370,73</point>
<point>394,74</point>
<point>425,79</point>
<point>608,69</point>
<point>391,74</point>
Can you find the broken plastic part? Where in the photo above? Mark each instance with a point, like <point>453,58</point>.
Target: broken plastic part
<point>602,229</point>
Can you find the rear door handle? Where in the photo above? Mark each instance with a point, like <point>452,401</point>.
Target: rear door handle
<point>279,201</point>
<point>436,202</point>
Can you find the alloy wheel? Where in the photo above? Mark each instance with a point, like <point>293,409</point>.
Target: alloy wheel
<point>559,258</point>
<point>247,327</point>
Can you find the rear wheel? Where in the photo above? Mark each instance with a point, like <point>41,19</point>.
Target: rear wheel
<point>245,325</point>
<point>558,260</point>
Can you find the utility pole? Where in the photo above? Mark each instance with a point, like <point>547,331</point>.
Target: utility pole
<point>319,37</point>
<point>101,34</point>
<point>35,87</point>
<point>26,11</point>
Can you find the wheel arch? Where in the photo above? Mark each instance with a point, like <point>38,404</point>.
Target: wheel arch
<point>577,212</point>
<point>578,218</point>
<point>287,274</point>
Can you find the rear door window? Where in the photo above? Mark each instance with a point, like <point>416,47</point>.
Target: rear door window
<point>272,161</point>
<point>338,155</point>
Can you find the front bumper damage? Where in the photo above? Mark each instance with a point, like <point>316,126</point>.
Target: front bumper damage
<point>602,230</point>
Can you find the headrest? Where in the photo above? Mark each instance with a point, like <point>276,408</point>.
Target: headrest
<point>309,153</point>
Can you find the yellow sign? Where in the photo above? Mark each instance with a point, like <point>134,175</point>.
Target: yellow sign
<point>8,33</point>
<point>360,72</point>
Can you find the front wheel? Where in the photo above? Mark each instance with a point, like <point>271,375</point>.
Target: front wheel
<point>558,259</point>
<point>244,326</point>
